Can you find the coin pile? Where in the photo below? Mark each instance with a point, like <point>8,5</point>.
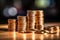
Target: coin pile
<point>11,24</point>
<point>21,20</point>
<point>52,30</point>
<point>57,30</point>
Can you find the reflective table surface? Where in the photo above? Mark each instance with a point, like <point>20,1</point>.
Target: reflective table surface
<point>5,35</point>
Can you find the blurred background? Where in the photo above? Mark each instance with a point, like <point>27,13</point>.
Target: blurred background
<point>13,8</point>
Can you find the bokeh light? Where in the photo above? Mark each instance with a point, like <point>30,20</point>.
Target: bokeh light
<point>5,12</point>
<point>42,3</point>
<point>17,4</point>
<point>12,11</point>
<point>52,11</point>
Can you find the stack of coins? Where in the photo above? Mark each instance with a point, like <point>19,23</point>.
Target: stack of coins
<point>30,19</point>
<point>21,20</point>
<point>11,24</point>
<point>39,20</point>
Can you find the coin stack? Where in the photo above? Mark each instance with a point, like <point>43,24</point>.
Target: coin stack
<point>30,19</point>
<point>21,20</point>
<point>39,20</point>
<point>11,24</point>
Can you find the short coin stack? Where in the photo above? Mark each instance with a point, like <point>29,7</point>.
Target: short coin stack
<point>11,24</point>
<point>21,20</point>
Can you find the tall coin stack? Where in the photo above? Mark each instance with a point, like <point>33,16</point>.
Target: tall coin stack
<point>39,20</point>
<point>11,24</point>
<point>21,20</point>
<point>30,19</point>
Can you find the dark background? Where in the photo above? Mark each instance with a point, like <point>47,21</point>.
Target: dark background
<point>49,16</point>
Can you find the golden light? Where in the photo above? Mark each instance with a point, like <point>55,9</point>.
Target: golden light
<point>45,33</point>
<point>42,37</point>
<point>57,27</point>
<point>14,33</point>
<point>4,26</point>
<point>52,30</point>
<point>52,36</point>
<point>33,35</point>
<point>42,32</point>
<point>24,36</point>
<point>14,38</point>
